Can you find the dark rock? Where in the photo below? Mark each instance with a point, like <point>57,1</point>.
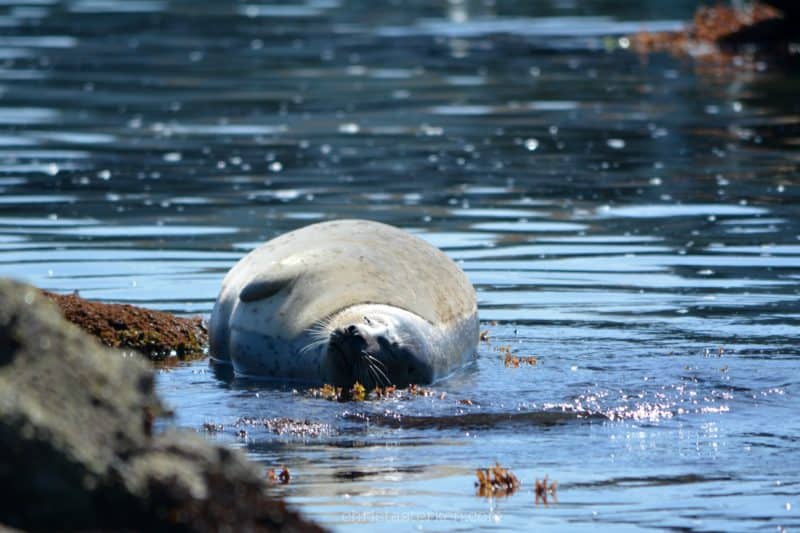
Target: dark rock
<point>75,434</point>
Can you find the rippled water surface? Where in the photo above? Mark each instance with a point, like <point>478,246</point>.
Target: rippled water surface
<point>632,222</point>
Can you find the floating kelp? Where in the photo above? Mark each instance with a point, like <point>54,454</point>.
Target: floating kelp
<point>496,481</point>
<point>358,393</point>
<point>544,488</point>
<point>284,477</point>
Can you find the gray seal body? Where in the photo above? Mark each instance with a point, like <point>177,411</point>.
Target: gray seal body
<point>345,301</point>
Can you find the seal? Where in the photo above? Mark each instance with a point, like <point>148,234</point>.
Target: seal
<point>345,301</point>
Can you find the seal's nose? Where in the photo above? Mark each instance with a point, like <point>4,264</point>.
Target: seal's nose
<point>349,339</point>
<point>347,334</point>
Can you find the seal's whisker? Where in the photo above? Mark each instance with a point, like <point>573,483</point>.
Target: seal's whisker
<point>373,358</point>
<point>320,331</point>
<point>377,362</point>
<point>370,359</point>
<point>374,362</point>
<point>382,372</point>
<point>317,334</point>
<point>311,345</point>
<point>372,374</point>
<point>322,327</point>
<point>383,378</point>
<point>376,377</point>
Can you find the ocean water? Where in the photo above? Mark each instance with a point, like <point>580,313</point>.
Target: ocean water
<point>632,222</point>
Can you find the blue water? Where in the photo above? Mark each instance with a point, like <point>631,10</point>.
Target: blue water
<point>631,221</point>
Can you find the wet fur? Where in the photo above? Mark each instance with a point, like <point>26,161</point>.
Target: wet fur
<point>270,318</point>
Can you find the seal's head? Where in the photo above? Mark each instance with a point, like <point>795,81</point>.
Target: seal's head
<point>377,345</point>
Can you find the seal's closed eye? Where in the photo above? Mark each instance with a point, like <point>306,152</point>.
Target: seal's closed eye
<point>263,287</point>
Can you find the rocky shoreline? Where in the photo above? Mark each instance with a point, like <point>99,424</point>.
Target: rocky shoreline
<point>79,450</point>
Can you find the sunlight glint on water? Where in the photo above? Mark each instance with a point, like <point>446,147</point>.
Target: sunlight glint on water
<point>630,222</point>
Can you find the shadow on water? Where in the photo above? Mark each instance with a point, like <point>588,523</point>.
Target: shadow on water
<point>222,371</point>
<point>472,421</point>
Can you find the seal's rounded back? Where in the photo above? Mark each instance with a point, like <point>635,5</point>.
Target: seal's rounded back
<point>315,271</point>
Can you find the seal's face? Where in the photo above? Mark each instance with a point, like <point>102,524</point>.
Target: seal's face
<point>376,349</point>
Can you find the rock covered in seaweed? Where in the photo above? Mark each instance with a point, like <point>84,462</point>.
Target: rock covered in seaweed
<point>156,334</point>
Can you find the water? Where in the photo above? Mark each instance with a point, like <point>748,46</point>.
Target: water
<point>631,222</point>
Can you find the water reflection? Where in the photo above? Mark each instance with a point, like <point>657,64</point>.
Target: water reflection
<point>630,222</point>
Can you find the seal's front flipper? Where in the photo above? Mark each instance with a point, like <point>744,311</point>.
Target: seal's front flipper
<point>264,286</point>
